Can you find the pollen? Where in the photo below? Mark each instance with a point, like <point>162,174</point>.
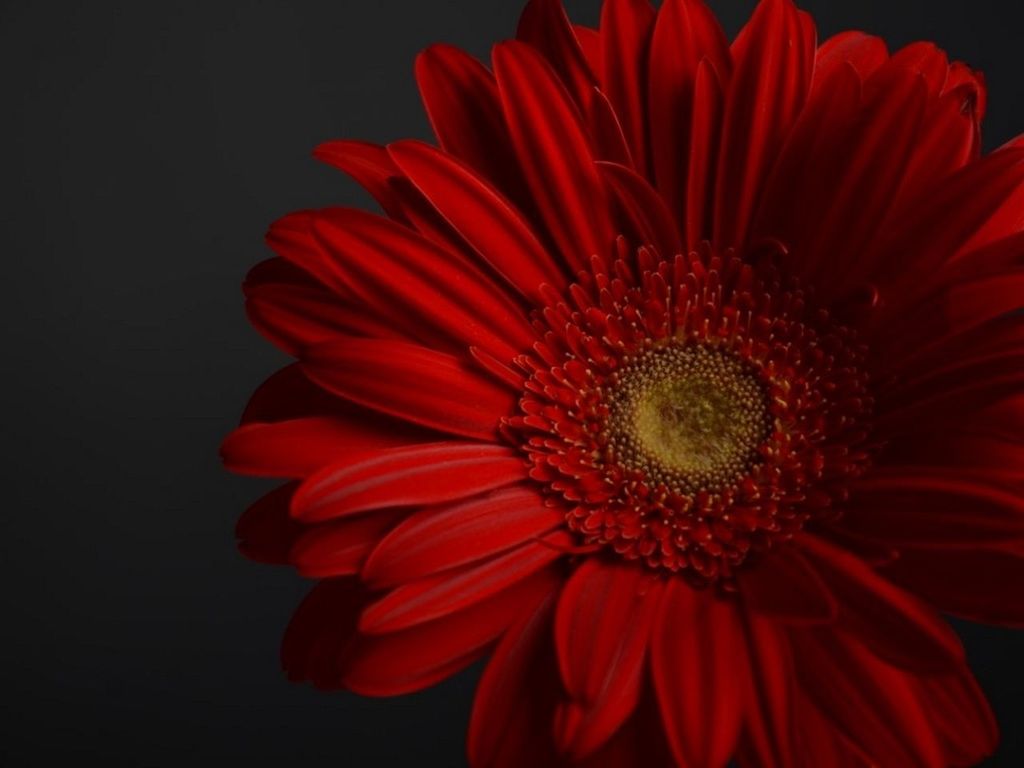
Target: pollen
<point>689,417</point>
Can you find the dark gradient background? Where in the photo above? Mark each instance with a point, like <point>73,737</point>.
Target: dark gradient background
<point>145,148</point>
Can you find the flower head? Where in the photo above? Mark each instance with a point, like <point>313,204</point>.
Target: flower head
<point>682,379</point>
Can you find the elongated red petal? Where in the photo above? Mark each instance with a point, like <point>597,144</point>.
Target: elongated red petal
<point>644,209</point>
<point>602,629</point>
<point>486,219</point>
<point>934,508</point>
<point>298,447</point>
<point>426,287</point>
<point>411,382</point>
<point>544,25</point>
<point>553,149</point>
<point>400,477</point>
<point>439,538</point>
<point>320,634</point>
<point>445,593</point>
<point>787,587</point>
<point>875,706</point>
<point>765,95</point>
<point>403,662</point>
<point>976,584</point>
<point>770,735</point>
<point>685,34</point>
<point>625,33</point>
<point>894,624</point>
<point>369,165</point>
<point>339,548</point>
<point>696,662</point>
<point>462,102</point>
<point>514,700</point>
<point>266,531</point>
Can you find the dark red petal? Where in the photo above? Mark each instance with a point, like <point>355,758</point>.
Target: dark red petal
<point>544,25</point>
<point>981,585</point>
<point>462,102</point>
<point>928,60</point>
<point>554,151</point>
<point>289,394</point>
<point>697,665</point>
<point>411,382</point>
<point>426,287</point>
<point>408,476</point>
<point>403,662</point>
<point>644,209</point>
<point>318,638</point>
<point>515,698</point>
<point>933,509</point>
<point>872,704</point>
<point>705,132</point>
<point>865,53</point>
<point>266,531</point>
<point>292,238</point>
<point>786,586</point>
<point>961,716</point>
<point>931,232</point>
<point>602,628</point>
<point>766,93</point>
<point>770,733</point>
<point>369,165</point>
<point>296,316</point>
<point>685,34</point>
<point>298,447</point>
<point>625,34</point>
<point>895,625</point>
<point>485,218</point>
<point>339,548</point>
<point>444,593</point>
<point>439,538</point>
<point>867,181</point>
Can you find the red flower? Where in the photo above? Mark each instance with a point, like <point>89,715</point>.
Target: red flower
<point>683,380</point>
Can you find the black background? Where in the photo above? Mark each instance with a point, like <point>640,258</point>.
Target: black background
<point>145,148</point>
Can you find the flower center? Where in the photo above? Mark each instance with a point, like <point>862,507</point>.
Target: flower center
<point>691,413</point>
<point>690,417</point>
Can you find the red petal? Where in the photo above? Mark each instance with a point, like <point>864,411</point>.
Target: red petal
<point>266,531</point>
<point>865,53</point>
<point>413,475</point>
<point>436,539</point>
<point>933,509</point>
<point>513,702</point>
<point>554,152</point>
<point>644,209</point>
<point>705,133</point>
<point>411,382</point>
<point>873,705</point>
<point>770,727</point>
<point>292,238</point>
<point>545,26</point>
<point>695,661</point>
<point>299,447</point>
<point>289,394</point>
<point>960,716</point>
<point>318,638</point>
<point>685,33</point>
<point>465,112</point>
<point>625,33</point>
<point>488,221</point>
<point>445,593</point>
<point>602,629</point>
<point>339,548</point>
<point>426,287</point>
<point>767,91</point>
<point>895,625</point>
<point>978,585</point>
<point>369,165</point>
<point>403,662</point>
<point>786,586</point>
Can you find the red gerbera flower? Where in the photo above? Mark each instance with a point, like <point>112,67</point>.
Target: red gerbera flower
<point>682,379</point>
